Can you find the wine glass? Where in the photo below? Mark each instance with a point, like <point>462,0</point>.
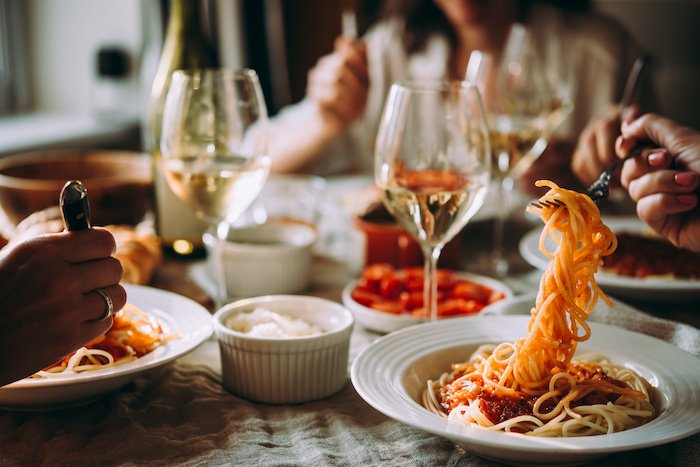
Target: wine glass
<point>526,97</point>
<point>213,143</point>
<point>432,165</point>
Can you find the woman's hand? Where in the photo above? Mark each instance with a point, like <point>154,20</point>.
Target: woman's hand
<point>49,306</point>
<point>595,150</point>
<point>665,182</point>
<point>338,84</point>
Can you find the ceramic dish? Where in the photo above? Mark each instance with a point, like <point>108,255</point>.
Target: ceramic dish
<point>392,372</point>
<point>384,322</point>
<point>264,259</point>
<point>285,370</point>
<point>189,320</point>
<point>647,289</point>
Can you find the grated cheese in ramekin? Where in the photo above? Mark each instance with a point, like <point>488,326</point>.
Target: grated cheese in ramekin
<point>265,323</point>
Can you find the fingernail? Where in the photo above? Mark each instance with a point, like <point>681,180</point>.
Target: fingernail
<point>687,199</point>
<point>656,158</point>
<point>685,178</point>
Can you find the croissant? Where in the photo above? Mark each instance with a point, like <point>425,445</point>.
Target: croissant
<point>139,253</point>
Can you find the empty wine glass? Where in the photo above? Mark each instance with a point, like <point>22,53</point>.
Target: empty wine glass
<point>214,143</point>
<point>526,97</point>
<point>432,165</point>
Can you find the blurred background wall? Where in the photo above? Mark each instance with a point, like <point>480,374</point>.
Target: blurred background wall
<point>282,39</point>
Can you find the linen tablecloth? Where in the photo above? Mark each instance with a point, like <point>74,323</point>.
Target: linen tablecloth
<point>180,414</point>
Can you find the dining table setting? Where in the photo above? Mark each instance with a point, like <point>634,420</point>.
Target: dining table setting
<point>433,312</point>
<point>175,409</point>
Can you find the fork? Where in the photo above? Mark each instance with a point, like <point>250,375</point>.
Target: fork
<point>600,189</point>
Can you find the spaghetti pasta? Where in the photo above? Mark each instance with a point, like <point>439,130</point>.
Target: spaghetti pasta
<point>133,334</point>
<point>534,386</point>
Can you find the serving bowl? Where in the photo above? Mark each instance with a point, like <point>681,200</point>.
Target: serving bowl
<point>119,183</point>
<point>277,370</point>
<point>392,372</point>
<point>267,259</point>
<point>385,322</point>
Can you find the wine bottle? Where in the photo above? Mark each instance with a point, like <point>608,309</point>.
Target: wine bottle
<point>186,46</point>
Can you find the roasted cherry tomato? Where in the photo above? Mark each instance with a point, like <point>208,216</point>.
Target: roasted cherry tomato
<point>364,297</point>
<point>390,287</point>
<point>384,288</point>
<point>470,291</point>
<point>388,306</point>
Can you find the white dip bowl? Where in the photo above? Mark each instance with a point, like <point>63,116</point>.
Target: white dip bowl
<point>285,370</point>
<point>264,259</point>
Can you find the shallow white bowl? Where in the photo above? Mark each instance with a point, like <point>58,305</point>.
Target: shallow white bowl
<point>264,260</point>
<point>384,322</point>
<point>392,372</point>
<point>286,371</point>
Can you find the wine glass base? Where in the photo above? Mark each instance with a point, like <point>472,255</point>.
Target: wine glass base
<point>477,250</point>
<point>500,267</point>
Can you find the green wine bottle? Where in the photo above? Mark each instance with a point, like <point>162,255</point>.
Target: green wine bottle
<point>186,46</point>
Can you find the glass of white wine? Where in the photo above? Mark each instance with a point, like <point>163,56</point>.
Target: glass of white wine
<point>213,144</point>
<point>432,165</point>
<point>526,96</point>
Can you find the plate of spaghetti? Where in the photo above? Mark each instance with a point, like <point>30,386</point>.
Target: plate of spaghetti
<point>545,388</point>
<point>642,267</point>
<point>154,328</point>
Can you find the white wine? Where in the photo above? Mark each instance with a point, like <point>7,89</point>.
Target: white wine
<point>434,205</point>
<point>218,187</point>
<point>515,140</point>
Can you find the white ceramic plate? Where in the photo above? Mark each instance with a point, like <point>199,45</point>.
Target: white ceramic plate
<point>649,288</point>
<point>392,372</point>
<point>387,322</point>
<point>191,322</point>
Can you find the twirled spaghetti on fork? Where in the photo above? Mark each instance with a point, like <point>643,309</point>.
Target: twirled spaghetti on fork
<point>533,386</point>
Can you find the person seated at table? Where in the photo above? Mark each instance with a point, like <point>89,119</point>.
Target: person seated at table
<point>333,129</point>
<point>51,291</point>
<point>665,182</point>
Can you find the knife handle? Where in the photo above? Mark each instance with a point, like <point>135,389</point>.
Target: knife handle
<point>75,206</point>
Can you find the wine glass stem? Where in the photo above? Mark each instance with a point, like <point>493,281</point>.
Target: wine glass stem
<point>430,289</point>
<point>220,269</point>
<point>498,259</point>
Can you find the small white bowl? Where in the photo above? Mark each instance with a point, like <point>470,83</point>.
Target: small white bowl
<point>266,259</point>
<point>286,370</point>
<point>385,322</point>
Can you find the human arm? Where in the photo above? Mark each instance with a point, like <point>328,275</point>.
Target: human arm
<point>664,182</point>
<point>49,307</point>
<point>335,98</point>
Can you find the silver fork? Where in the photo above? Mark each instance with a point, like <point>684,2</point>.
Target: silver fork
<point>600,189</point>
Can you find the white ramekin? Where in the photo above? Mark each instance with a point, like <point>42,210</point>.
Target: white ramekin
<point>286,371</point>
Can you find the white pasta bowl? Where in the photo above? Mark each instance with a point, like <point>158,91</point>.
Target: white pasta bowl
<point>277,370</point>
<point>391,375</point>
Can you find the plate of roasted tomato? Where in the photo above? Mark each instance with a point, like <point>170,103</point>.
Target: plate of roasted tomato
<point>386,298</point>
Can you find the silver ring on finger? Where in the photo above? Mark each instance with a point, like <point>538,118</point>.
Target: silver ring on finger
<point>108,301</point>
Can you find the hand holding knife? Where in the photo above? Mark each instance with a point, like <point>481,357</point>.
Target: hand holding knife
<point>75,206</point>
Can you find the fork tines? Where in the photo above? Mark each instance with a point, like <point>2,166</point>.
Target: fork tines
<point>547,204</point>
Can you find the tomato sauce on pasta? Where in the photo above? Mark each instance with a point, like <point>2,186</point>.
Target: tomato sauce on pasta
<point>134,333</point>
